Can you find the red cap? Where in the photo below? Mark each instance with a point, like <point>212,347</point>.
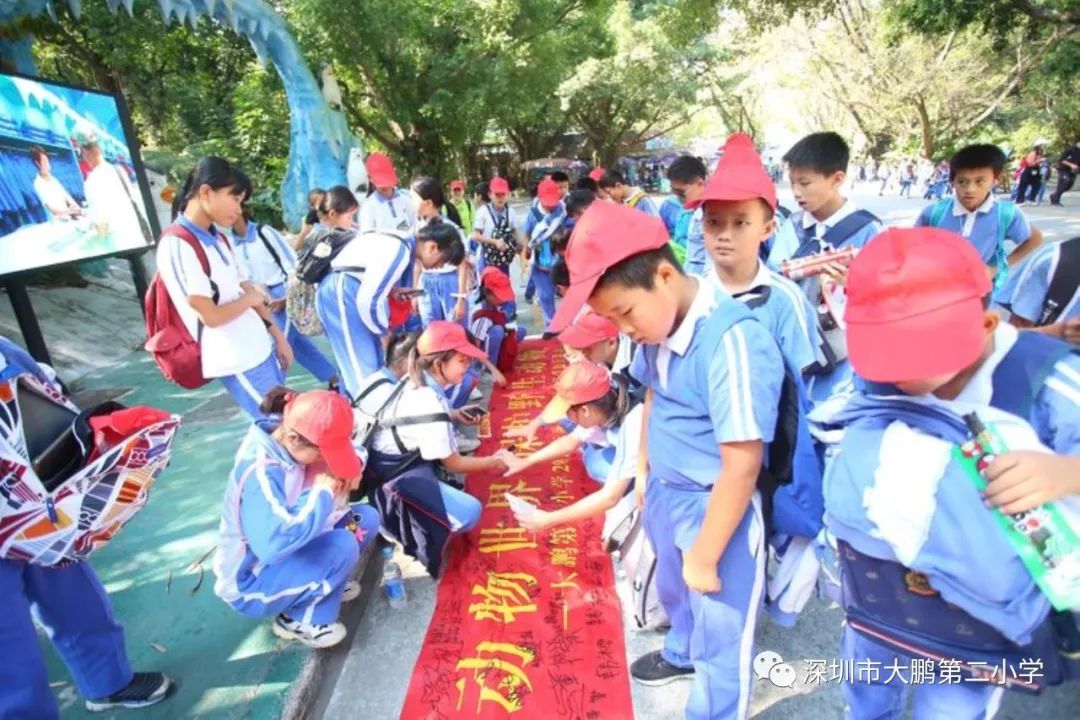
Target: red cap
<point>605,234</point>
<point>596,173</point>
<point>498,186</point>
<point>739,175</point>
<point>325,419</point>
<point>548,192</point>
<point>442,335</point>
<point>498,282</point>
<point>915,305</point>
<point>579,383</point>
<point>380,171</point>
<point>588,330</point>
<point>457,184</point>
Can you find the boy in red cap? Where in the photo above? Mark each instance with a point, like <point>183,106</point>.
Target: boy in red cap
<point>545,219</point>
<point>909,521</point>
<point>738,206</point>
<point>597,339</point>
<point>289,539</point>
<point>494,324</point>
<point>495,228</point>
<point>388,207</point>
<point>714,376</point>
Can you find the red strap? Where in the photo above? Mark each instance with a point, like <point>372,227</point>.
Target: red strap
<point>184,234</point>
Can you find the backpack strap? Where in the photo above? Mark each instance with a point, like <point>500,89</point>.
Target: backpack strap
<point>1006,213</point>
<point>1063,283</point>
<point>1021,374</point>
<point>938,211</point>
<point>270,248</point>
<point>394,424</point>
<point>193,242</point>
<point>370,389</point>
<point>842,231</point>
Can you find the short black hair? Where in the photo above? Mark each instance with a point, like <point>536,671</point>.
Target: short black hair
<point>973,157</point>
<point>447,238</point>
<point>243,183</point>
<point>587,183</point>
<point>686,169</point>
<point>560,177</point>
<point>578,201</point>
<point>821,152</point>
<point>610,179</point>
<point>482,189</point>
<point>638,270</point>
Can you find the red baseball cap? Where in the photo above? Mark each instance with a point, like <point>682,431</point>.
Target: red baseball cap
<point>605,234</point>
<point>498,282</point>
<point>548,192</point>
<point>579,383</point>
<point>381,171</point>
<point>588,330</point>
<point>442,335</point>
<point>457,184</point>
<point>498,186</point>
<point>915,305</point>
<point>739,175</point>
<point>325,419</point>
<point>596,173</point>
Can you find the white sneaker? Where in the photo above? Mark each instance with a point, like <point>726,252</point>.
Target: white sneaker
<point>351,591</point>
<point>314,636</point>
<point>466,445</point>
<point>476,395</point>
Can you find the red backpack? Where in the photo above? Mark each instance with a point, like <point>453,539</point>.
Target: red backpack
<point>509,349</point>
<point>167,338</point>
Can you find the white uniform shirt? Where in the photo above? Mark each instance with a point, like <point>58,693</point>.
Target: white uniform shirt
<point>258,262</point>
<point>235,347</point>
<point>626,439</point>
<point>51,193</point>
<point>434,440</point>
<point>380,213</point>
<point>385,258</point>
<point>485,221</point>
<point>624,355</point>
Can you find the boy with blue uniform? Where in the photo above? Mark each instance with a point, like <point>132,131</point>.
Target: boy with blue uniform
<point>540,227</point>
<point>1046,293</point>
<point>733,233</point>
<point>687,176</point>
<point>714,377</point>
<point>613,186</point>
<point>975,214</point>
<point>911,526</point>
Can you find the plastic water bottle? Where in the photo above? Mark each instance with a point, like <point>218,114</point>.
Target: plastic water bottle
<point>392,580</point>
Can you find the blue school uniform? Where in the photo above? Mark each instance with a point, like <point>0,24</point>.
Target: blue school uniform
<point>539,227</point>
<point>354,305</point>
<point>1027,289</point>
<point>442,286</point>
<point>697,259</point>
<point>270,260</point>
<point>806,227</point>
<point>69,602</point>
<point>979,227</point>
<point>780,305</point>
<point>894,499</point>
<point>284,547</point>
<point>670,210</point>
<point>716,380</point>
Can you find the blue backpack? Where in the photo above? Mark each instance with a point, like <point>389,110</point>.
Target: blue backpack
<point>1006,212</point>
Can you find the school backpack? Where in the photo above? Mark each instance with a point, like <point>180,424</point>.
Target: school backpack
<point>178,355</point>
<point>624,536</point>
<point>1006,211</point>
<point>63,497</point>
<point>1063,284</point>
<point>502,231</point>
<point>833,341</point>
<point>315,261</point>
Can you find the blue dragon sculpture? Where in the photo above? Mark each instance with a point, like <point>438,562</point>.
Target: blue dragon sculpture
<point>320,140</point>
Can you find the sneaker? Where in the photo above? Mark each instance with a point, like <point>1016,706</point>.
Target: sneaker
<point>144,690</point>
<point>476,395</point>
<point>653,669</point>
<point>314,636</point>
<point>466,445</point>
<point>351,591</point>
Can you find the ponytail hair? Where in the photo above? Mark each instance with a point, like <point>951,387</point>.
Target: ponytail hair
<point>419,364</point>
<point>398,349</point>
<point>340,199</point>
<point>216,172</point>
<point>616,404</point>
<point>273,403</point>
<point>429,188</point>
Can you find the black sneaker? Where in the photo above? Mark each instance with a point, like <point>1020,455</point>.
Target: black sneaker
<point>653,669</point>
<point>144,690</point>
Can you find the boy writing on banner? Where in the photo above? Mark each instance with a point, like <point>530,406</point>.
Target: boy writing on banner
<point>974,213</point>
<point>714,378</point>
<point>911,524</point>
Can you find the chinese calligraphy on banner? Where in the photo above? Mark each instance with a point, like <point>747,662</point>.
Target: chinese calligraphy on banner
<point>526,625</point>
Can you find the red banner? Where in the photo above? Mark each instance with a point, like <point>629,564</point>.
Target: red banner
<point>526,624</point>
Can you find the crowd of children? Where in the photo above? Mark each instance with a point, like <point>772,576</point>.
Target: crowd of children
<point>769,387</point>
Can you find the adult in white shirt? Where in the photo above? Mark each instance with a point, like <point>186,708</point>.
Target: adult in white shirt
<point>240,344</point>
<point>52,194</point>
<point>388,207</point>
<point>598,403</point>
<point>114,205</point>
